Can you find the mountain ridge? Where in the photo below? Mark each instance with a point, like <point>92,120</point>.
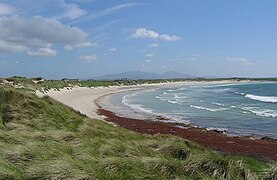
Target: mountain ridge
<point>134,75</point>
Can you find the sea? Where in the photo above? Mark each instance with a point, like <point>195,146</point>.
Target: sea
<point>248,109</point>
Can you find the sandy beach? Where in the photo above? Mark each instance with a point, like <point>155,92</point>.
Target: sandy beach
<point>86,100</point>
<point>95,103</point>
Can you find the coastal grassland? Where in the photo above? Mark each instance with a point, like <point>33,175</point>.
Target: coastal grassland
<point>43,139</point>
<point>33,84</point>
<point>39,83</point>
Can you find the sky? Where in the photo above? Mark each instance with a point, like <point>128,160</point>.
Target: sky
<point>86,38</point>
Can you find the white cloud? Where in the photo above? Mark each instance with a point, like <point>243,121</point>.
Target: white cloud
<point>104,26</point>
<point>81,45</point>
<point>72,11</point>
<point>168,37</point>
<point>85,45</point>
<point>148,60</point>
<point>153,45</point>
<point>193,59</point>
<point>113,50</point>
<point>145,33</point>
<point>237,59</point>
<point>43,52</point>
<point>6,47</point>
<point>241,60</point>
<point>6,9</point>
<point>89,58</point>
<point>59,9</point>
<point>150,55</point>
<point>68,48</point>
<point>106,12</point>
<point>19,34</point>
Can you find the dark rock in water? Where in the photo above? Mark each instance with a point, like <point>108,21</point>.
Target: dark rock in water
<point>268,139</point>
<point>162,118</point>
<point>219,131</point>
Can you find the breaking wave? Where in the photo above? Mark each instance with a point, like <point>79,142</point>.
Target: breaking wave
<point>270,99</point>
<point>208,109</point>
<point>260,112</point>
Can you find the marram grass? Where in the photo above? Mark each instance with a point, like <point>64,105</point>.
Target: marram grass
<point>43,139</point>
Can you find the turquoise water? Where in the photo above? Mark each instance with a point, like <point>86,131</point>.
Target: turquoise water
<point>240,109</point>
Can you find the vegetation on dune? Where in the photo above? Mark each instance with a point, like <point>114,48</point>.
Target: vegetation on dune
<point>45,85</point>
<point>43,139</point>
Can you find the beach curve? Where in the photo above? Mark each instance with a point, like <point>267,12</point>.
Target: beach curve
<point>91,102</point>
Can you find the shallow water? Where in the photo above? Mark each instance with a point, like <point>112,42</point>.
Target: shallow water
<point>240,109</point>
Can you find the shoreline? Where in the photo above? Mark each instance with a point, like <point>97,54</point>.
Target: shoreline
<point>105,101</point>
<point>264,149</point>
<point>110,102</point>
<point>84,99</point>
<point>92,103</point>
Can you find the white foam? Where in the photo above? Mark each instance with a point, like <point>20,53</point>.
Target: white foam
<point>183,88</point>
<point>164,98</point>
<point>125,98</point>
<point>175,118</point>
<point>135,106</point>
<point>260,112</point>
<point>172,101</point>
<point>172,90</point>
<point>179,96</point>
<point>271,99</point>
<point>219,85</point>
<point>229,89</point>
<point>208,109</point>
<point>218,104</point>
<point>169,118</point>
<point>140,108</point>
<point>238,93</point>
<point>217,129</point>
<point>173,98</point>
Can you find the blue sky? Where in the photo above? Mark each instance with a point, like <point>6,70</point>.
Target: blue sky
<point>87,38</point>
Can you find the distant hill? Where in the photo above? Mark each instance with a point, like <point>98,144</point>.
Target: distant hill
<point>134,75</point>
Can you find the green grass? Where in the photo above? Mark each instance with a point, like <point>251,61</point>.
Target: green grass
<point>43,139</point>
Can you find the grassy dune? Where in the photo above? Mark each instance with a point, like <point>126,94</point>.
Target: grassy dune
<point>43,139</point>
<point>45,85</point>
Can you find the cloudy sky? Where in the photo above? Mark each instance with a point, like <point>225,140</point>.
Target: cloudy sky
<point>87,38</point>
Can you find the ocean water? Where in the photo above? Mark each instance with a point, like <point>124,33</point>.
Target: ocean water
<point>239,109</point>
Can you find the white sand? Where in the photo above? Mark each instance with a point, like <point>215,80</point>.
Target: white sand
<point>85,100</point>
